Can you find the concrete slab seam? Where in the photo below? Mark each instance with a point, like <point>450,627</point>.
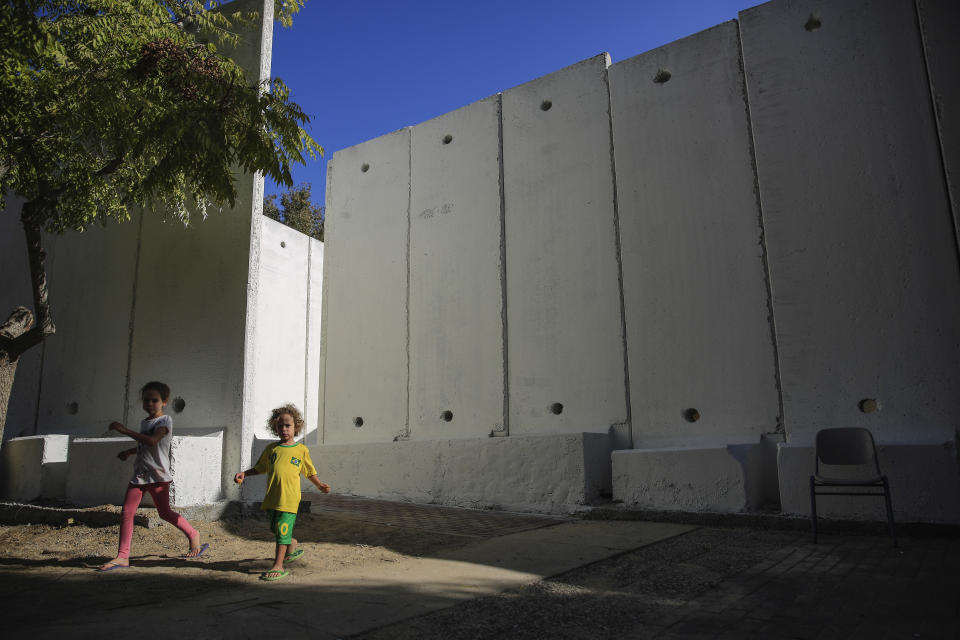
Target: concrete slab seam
<point>505,430</point>
<point>306,336</point>
<point>619,251</point>
<point>133,309</point>
<point>762,241</point>
<point>936,124</point>
<point>321,426</point>
<point>405,434</point>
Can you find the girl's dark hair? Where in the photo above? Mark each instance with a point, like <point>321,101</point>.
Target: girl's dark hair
<point>157,386</point>
<point>293,412</point>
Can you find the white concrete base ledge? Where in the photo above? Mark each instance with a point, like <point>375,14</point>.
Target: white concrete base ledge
<point>719,479</point>
<point>924,484</point>
<point>96,476</point>
<point>546,474</point>
<point>34,467</point>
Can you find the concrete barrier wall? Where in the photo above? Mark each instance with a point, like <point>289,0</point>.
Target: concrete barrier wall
<point>96,476</point>
<point>564,331</point>
<point>280,365</point>
<point>84,376</point>
<point>34,467</point>
<point>863,260</point>
<point>938,25</point>
<point>694,281</point>
<point>456,283</point>
<point>367,235</point>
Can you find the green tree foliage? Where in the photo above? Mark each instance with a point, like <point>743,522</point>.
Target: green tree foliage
<point>296,210</point>
<point>108,104</point>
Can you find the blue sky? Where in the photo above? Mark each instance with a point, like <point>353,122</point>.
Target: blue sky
<point>362,69</point>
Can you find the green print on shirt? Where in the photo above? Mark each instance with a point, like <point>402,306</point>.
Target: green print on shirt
<point>295,462</point>
<point>273,457</point>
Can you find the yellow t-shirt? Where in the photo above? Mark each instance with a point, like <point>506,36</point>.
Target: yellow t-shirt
<point>284,464</point>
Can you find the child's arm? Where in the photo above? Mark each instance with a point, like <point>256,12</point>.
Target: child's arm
<point>126,453</point>
<point>243,474</point>
<point>149,440</point>
<point>323,486</point>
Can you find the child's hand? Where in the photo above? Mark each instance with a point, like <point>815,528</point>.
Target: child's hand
<point>123,455</point>
<point>116,426</point>
<point>239,477</point>
<point>324,487</point>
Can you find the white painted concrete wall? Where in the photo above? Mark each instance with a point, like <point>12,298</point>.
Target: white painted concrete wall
<point>456,279</point>
<point>863,261</point>
<point>938,22</point>
<point>367,235</point>
<point>91,279</point>
<point>689,479</point>
<point>554,473</point>
<point>564,331</point>
<point>96,476</point>
<point>694,283</point>
<point>280,365</point>
<point>924,484</point>
<point>34,467</point>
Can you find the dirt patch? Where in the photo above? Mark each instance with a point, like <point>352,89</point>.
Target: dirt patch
<point>246,543</point>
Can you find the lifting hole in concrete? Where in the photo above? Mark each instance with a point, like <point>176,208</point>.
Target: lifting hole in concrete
<point>446,416</point>
<point>662,76</point>
<point>813,23</point>
<point>365,167</point>
<point>447,139</point>
<point>691,415</point>
<point>556,408</point>
<point>283,244</point>
<point>73,408</point>
<point>179,404</point>
<point>868,405</point>
<point>358,422</point>
<point>545,105</point>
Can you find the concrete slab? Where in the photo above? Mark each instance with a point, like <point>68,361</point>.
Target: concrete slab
<point>698,323</point>
<point>861,245</point>
<point>924,484</point>
<point>367,231</point>
<point>565,348</point>
<point>719,479</point>
<point>456,278</point>
<point>91,278</point>
<point>939,21</point>
<point>34,467</point>
<point>545,474</point>
<point>279,364</point>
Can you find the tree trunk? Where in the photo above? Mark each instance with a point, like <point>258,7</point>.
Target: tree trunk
<point>14,340</point>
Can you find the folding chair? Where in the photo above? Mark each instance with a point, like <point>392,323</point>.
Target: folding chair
<point>848,447</point>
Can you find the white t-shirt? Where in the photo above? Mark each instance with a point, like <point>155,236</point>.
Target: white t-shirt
<point>153,463</point>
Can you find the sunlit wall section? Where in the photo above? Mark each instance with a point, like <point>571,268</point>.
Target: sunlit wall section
<point>367,231</point>
<point>456,288</point>
<point>699,332</point>
<point>564,331</point>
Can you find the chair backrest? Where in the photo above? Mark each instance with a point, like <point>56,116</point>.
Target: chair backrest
<point>846,446</point>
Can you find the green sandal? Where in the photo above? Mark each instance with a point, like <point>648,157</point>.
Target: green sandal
<point>277,575</point>
<point>293,556</point>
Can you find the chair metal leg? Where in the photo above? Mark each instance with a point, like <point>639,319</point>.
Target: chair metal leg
<point>813,510</point>
<point>886,497</point>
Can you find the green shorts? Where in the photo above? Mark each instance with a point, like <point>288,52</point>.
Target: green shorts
<point>281,523</point>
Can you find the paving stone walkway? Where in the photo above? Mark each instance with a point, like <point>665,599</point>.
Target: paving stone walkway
<point>728,584</point>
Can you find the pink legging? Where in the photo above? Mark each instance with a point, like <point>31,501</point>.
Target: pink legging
<point>160,492</point>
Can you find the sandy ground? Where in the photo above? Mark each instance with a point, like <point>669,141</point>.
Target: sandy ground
<point>240,548</point>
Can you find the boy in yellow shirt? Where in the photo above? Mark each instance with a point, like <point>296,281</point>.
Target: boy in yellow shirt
<point>284,462</point>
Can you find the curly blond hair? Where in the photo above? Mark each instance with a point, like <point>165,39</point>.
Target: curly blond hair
<point>292,411</point>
